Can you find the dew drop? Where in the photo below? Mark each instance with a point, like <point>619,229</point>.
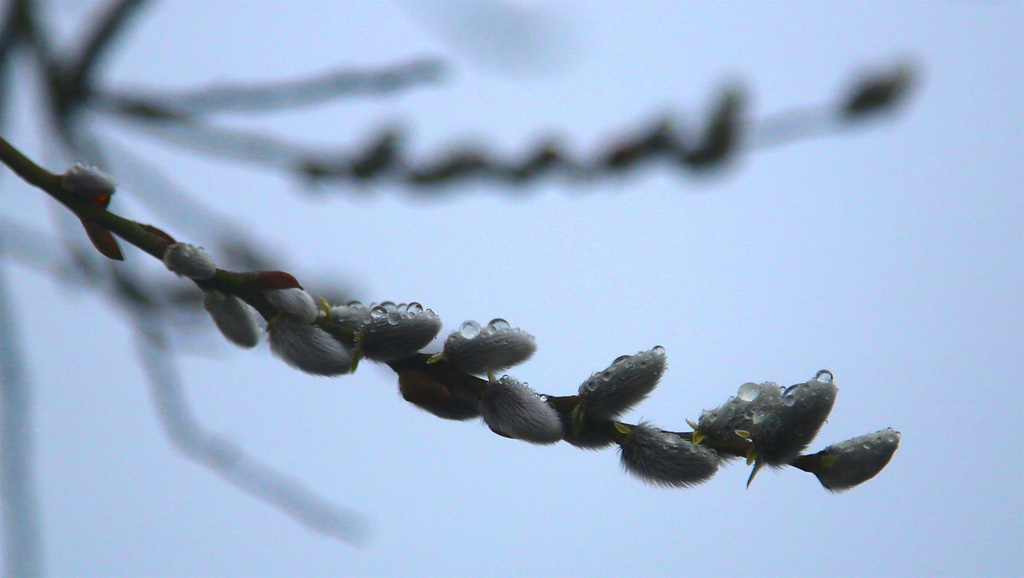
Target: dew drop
<point>606,375</point>
<point>823,375</point>
<point>789,400</point>
<point>499,324</point>
<point>378,312</point>
<point>621,358</point>
<point>394,316</point>
<point>469,329</point>
<point>658,350</point>
<point>749,391</point>
<point>414,308</point>
<point>759,415</point>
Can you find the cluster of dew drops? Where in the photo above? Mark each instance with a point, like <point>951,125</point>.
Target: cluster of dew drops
<point>471,329</point>
<point>391,312</point>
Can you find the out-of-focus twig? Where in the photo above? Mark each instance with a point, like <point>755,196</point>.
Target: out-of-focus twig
<point>727,132</point>
<point>78,71</point>
<point>19,514</point>
<point>248,98</point>
<point>226,458</point>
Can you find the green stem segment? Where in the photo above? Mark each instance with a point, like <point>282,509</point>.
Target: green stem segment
<point>142,236</point>
<point>35,175</point>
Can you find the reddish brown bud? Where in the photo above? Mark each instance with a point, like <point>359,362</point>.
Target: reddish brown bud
<point>157,232</point>
<point>272,280</point>
<point>103,240</point>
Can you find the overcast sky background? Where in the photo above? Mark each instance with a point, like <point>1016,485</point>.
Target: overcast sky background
<point>890,254</point>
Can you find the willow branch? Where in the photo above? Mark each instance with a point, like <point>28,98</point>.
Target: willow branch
<point>329,340</point>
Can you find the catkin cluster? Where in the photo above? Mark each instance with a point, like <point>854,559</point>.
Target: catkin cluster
<point>765,423</point>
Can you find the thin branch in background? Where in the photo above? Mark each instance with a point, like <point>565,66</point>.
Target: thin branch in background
<point>227,143</point>
<point>8,39</point>
<point>265,97</point>
<point>226,458</point>
<point>33,248</point>
<point>19,514</point>
<point>78,72</point>
<point>728,131</point>
<point>19,26</point>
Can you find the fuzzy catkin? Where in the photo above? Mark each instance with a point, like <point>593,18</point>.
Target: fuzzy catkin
<point>737,414</point>
<point>855,461</point>
<point>86,180</point>
<point>495,347</point>
<point>626,382</point>
<point>397,331</point>
<point>189,261</point>
<point>294,301</point>
<point>665,459</point>
<point>784,429</point>
<point>510,408</point>
<point>306,347</point>
<point>234,318</point>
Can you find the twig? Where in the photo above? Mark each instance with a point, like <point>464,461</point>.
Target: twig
<point>227,459</point>
<point>323,87</point>
<point>19,514</point>
<point>79,72</point>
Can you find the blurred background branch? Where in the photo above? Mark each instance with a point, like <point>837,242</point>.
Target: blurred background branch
<point>19,507</point>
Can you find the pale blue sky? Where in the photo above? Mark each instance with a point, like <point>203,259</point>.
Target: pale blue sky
<point>890,254</point>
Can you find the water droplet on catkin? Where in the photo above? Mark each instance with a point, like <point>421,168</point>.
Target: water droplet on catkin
<point>749,391</point>
<point>469,329</point>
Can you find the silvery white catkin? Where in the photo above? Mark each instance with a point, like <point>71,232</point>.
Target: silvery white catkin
<point>306,347</point>
<point>625,383</point>
<point>496,347</point>
<point>737,413</point>
<point>510,408</point>
<point>396,331</point>
<point>855,461</point>
<point>664,458</point>
<point>234,318</point>
<point>785,429</point>
<point>351,316</point>
<point>189,261</point>
<point>86,180</point>
<point>295,301</point>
